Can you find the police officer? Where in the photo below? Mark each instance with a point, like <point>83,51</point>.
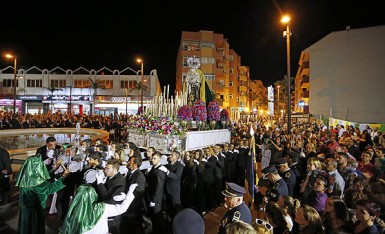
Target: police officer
<point>237,209</point>
<point>287,174</point>
<point>277,183</point>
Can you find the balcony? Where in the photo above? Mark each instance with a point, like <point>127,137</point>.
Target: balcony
<point>305,82</point>
<point>305,94</point>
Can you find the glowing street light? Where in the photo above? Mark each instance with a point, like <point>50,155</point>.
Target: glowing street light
<point>10,56</point>
<point>286,20</point>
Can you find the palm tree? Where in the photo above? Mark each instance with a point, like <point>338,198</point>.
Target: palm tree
<point>95,85</point>
<point>140,87</point>
<point>52,89</point>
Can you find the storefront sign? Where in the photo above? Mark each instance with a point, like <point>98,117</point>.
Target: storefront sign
<point>66,98</point>
<point>120,99</point>
<point>31,97</point>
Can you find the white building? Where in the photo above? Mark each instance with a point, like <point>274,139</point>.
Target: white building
<point>343,76</point>
<point>43,90</point>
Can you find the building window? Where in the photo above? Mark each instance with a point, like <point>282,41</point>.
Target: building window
<point>82,84</point>
<point>57,83</point>
<point>206,60</point>
<point>183,77</point>
<point>128,84</point>
<point>210,76</point>
<point>107,84</point>
<point>9,83</point>
<point>231,83</point>
<point>191,45</point>
<point>35,83</point>
<point>222,82</point>
<point>230,70</point>
<point>207,44</point>
<point>231,96</point>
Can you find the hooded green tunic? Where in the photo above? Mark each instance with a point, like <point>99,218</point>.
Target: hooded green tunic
<point>34,191</point>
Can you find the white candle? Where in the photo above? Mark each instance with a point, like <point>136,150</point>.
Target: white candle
<point>168,91</point>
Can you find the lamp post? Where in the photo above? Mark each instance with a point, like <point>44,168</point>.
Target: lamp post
<point>278,101</point>
<point>286,20</point>
<point>14,79</point>
<point>142,82</point>
<point>126,100</point>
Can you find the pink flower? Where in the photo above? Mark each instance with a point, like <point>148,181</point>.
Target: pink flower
<point>213,111</point>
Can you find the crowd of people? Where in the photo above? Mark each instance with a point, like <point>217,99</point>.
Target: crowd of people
<point>314,179</point>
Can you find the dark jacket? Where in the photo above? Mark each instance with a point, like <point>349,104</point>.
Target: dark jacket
<point>137,204</point>
<point>173,181</point>
<point>113,186</point>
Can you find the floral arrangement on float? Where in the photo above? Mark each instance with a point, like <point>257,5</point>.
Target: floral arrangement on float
<point>225,115</point>
<point>162,125</point>
<point>200,113</point>
<point>213,113</point>
<point>185,112</point>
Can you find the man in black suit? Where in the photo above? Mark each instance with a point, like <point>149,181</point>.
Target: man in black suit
<point>241,163</point>
<point>174,172</point>
<point>49,151</point>
<point>110,190</point>
<point>155,190</point>
<point>132,220</point>
<point>219,174</point>
<point>5,173</point>
<point>209,179</point>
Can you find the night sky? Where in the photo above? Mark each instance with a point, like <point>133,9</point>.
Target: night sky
<point>96,34</point>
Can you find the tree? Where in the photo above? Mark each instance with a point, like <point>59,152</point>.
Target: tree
<point>140,88</point>
<point>52,89</point>
<point>95,85</point>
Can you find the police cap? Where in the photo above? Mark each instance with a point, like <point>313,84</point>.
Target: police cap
<point>270,169</point>
<point>233,190</point>
<point>280,162</point>
<point>188,221</point>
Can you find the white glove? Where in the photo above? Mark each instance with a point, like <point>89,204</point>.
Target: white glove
<point>132,188</point>
<point>164,169</point>
<point>100,178</point>
<point>50,153</point>
<point>119,197</point>
<point>48,161</point>
<point>152,204</point>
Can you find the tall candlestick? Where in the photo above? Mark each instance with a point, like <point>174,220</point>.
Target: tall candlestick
<point>168,91</point>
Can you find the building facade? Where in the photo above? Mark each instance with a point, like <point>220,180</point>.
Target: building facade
<point>342,76</point>
<point>102,91</point>
<point>225,75</point>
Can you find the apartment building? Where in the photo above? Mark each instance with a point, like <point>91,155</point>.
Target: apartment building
<point>342,76</point>
<point>222,68</point>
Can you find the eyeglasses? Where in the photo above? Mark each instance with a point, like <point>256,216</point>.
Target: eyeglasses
<point>264,223</point>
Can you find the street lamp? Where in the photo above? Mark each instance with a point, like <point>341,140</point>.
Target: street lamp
<point>142,82</point>
<point>14,79</point>
<point>286,20</point>
<point>126,100</point>
<point>278,100</point>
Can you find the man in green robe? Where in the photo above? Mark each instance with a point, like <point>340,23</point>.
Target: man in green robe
<point>34,191</point>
